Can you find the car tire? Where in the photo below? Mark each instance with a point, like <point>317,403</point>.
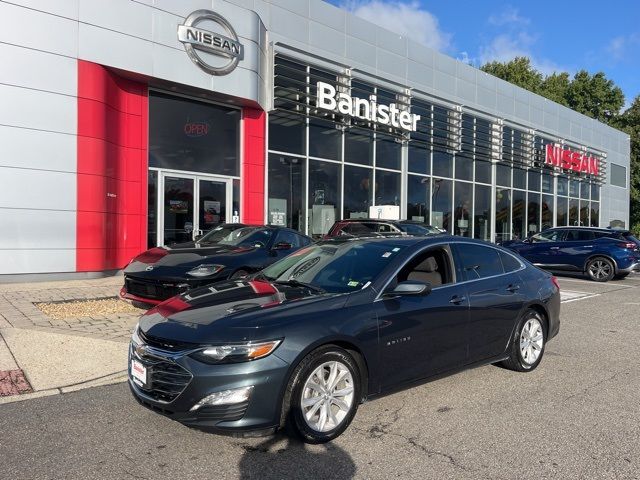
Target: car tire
<point>324,416</point>
<point>600,269</point>
<point>238,274</point>
<point>528,343</point>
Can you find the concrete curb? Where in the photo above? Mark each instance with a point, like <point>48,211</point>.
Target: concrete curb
<point>113,378</point>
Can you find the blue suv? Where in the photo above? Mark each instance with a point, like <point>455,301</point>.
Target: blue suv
<point>600,253</point>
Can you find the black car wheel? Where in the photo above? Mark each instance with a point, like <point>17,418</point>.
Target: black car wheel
<point>600,269</point>
<point>323,394</point>
<point>527,345</point>
<point>238,274</point>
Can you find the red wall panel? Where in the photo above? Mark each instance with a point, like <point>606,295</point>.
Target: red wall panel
<point>112,169</point>
<point>253,165</point>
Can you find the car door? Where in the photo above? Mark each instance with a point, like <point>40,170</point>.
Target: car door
<point>420,336</point>
<point>544,247</point>
<point>496,297</point>
<point>576,248</point>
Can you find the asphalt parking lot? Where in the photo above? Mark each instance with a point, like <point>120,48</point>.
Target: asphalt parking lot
<point>576,416</point>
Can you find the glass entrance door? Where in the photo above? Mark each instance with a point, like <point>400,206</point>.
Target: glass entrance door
<point>191,205</point>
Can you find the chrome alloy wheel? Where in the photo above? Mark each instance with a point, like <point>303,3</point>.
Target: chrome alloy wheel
<point>327,396</point>
<point>531,341</point>
<point>600,269</point>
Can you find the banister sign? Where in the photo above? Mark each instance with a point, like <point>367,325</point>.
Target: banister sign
<point>570,160</point>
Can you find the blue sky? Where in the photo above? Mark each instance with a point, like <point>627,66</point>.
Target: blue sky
<point>563,35</point>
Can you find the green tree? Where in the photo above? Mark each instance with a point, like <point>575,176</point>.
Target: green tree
<point>518,71</point>
<point>629,121</point>
<point>555,87</point>
<point>595,96</point>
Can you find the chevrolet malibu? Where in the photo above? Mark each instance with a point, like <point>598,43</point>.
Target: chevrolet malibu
<point>305,341</point>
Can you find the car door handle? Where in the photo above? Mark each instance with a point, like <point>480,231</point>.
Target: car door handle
<point>513,288</point>
<point>554,248</point>
<point>457,300</point>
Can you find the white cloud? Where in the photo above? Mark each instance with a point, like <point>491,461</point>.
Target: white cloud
<point>408,19</point>
<point>514,40</point>
<point>508,16</point>
<point>623,48</point>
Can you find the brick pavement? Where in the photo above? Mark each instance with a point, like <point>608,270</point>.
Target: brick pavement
<point>17,308</point>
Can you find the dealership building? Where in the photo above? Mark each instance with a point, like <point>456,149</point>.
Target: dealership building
<point>127,124</point>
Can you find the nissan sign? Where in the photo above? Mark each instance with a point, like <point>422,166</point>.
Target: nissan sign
<point>198,40</point>
<point>571,160</point>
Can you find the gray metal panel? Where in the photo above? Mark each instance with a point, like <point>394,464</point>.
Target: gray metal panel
<point>175,66</point>
<point>420,73</point>
<point>301,7</point>
<point>522,111</point>
<point>363,51</point>
<point>505,105</point>
<point>66,8</point>
<point>28,229</point>
<point>37,189</point>
<point>390,63</point>
<point>421,54</point>
<point>330,39</point>
<point>109,15</point>
<point>536,116</point>
<point>328,15</point>
<point>30,68</point>
<point>486,81</point>
<point>289,24</point>
<point>23,107</point>
<point>357,27</point>
<point>37,261</point>
<point>486,98</point>
<point>466,90</point>
<point>392,42</point>
<point>37,30</point>
<point>115,49</point>
<point>26,148</point>
<point>445,64</point>
<point>444,83</point>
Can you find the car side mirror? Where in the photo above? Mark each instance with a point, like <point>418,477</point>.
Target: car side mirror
<point>282,246</point>
<point>410,287</point>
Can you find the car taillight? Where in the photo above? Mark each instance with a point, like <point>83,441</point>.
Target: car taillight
<point>628,245</point>
<point>554,280</point>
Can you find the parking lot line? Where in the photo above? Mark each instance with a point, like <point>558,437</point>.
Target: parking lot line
<point>567,296</point>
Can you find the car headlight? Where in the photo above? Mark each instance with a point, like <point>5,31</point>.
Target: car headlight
<point>243,352</point>
<point>205,270</point>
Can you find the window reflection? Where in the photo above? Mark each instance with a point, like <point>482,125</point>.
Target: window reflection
<point>358,146</point>
<point>519,211</point>
<point>533,213</point>
<point>482,213</point>
<point>418,194</point>
<point>359,194</point>
<point>325,140</point>
<point>463,208</point>
<point>441,204</point>
<point>387,188</point>
<point>503,214</point>
<point>286,187</point>
<point>562,218</point>
<point>324,185</point>
<point>547,211</point>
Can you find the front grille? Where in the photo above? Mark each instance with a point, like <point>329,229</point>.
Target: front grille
<point>165,378</point>
<point>151,289</point>
<point>163,344</point>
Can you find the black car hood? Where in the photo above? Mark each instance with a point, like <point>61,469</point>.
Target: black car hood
<point>230,311</point>
<point>183,255</point>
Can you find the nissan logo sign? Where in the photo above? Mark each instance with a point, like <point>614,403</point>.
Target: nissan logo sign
<point>197,40</point>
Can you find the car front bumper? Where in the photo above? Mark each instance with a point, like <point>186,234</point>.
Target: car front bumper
<point>196,380</point>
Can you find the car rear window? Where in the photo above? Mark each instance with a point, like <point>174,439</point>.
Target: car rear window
<point>478,261</point>
<point>578,235</point>
<point>509,262</point>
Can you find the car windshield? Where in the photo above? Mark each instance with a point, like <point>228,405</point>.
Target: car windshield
<point>334,267</point>
<point>239,237</point>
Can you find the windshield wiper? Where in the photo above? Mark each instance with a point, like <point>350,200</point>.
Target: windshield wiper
<point>297,283</point>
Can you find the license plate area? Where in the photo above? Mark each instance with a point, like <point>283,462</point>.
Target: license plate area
<point>139,373</point>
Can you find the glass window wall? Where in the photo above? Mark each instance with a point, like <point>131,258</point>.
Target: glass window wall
<point>441,194</point>
<point>503,214</point>
<point>463,206</point>
<point>482,213</point>
<point>418,195</point>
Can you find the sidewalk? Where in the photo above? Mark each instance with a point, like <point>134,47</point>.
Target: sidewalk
<point>56,352</point>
